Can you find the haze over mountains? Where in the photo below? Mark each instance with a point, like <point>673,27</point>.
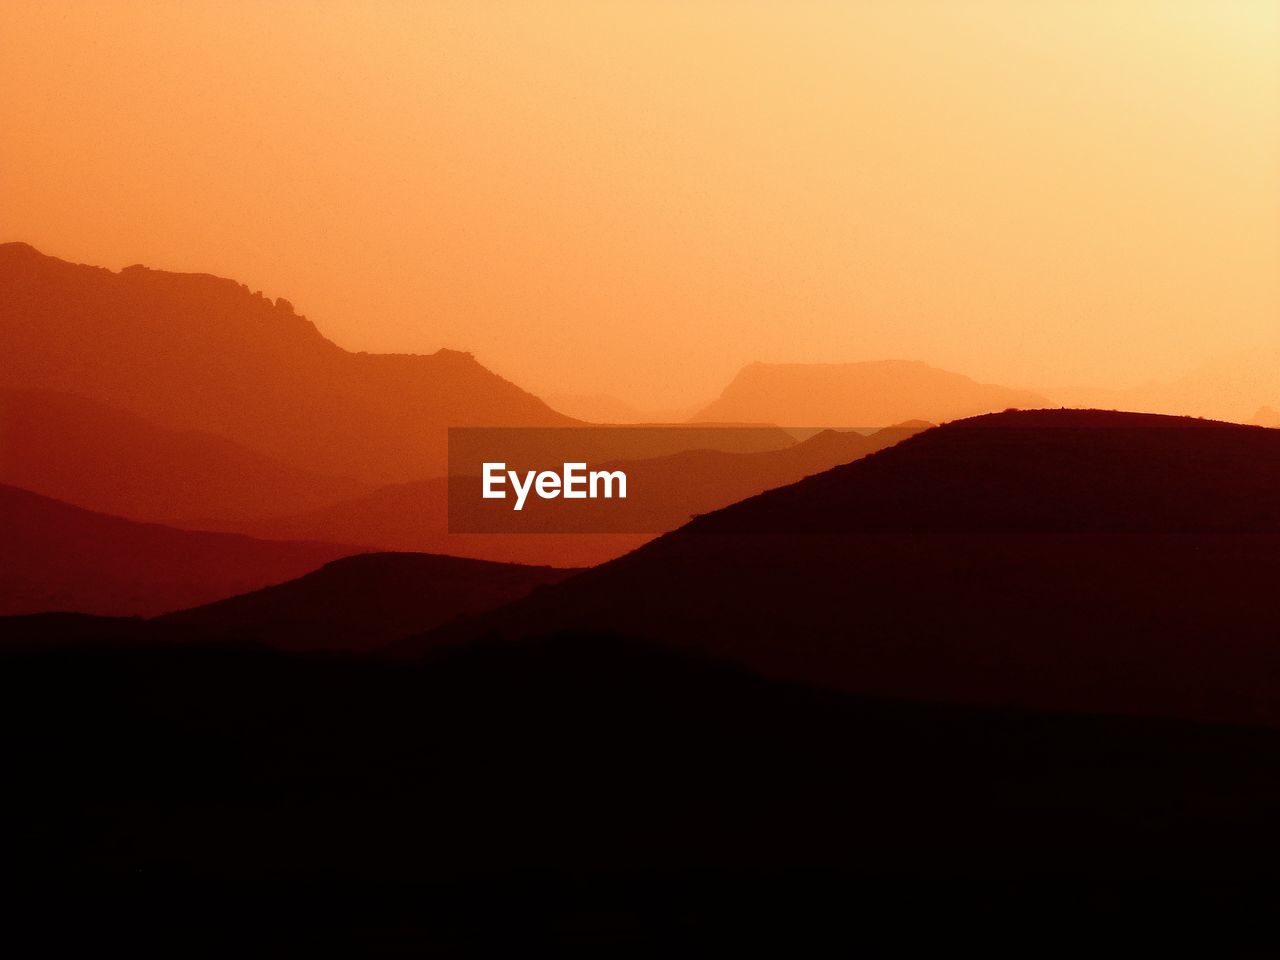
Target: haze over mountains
<point>897,644</point>
<point>196,352</point>
<point>105,459</point>
<point>187,400</point>
<point>857,395</point>
<point>1229,387</point>
<point>601,408</point>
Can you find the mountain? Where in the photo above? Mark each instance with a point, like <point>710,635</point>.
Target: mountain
<point>103,459</point>
<point>1060,559</point>
<point>668,491</point>
<point>367,601</point>
<point>60,557</point>
<point>857,395</point>
<point>197,352</point>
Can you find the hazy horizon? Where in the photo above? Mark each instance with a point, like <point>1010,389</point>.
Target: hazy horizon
<point>637,201</point>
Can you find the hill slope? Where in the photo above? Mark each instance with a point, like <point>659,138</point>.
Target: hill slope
<point>100,458</point>
<point>193,351</point>
<point>366,601</point>
<point>60,557</point>
<point>870,394</point>
<point>415,516</point>
<point>1080,560</point>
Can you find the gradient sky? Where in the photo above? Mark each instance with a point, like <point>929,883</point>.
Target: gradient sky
<point>639,198</point>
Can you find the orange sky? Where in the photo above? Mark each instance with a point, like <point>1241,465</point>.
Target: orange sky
<point>639,198</point>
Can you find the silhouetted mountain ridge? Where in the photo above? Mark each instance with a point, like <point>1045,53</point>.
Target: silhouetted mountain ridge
<point>1075,560</point>
<point>1063,471</point>
<point>58,557</point>
<point>95,456</point>
<point>194,351</point>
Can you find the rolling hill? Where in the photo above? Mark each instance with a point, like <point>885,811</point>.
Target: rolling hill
<point>667,491</point>
<point>87,453</point>
<point>1069,559</point>
<point>367,601</point>
<point>60,557</point>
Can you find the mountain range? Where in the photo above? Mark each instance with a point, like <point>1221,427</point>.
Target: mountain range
<point>1081,560</point>
<point>197,352</point>
<point>1021,664</point>
<point>98,457</point>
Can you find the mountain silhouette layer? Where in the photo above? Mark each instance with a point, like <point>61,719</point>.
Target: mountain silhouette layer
<point>61,557</point>
<point>103,459</point>
<point>415,516</point>
<point>857,395</point>
<point>197,352</point>
<point>1069,559</point>
<point>366,601</point>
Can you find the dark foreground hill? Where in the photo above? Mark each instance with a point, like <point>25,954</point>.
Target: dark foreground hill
<point>367,601</point>
<point>60,557</point>
<point>593,793</point>
<point>1065,559</point>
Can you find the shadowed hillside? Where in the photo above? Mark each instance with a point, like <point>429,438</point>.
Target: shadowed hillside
<point>367,601</point>
<point>1081,560</point>
<point>60,557</point>
<point>198,352</point>
<point>105,459</point>
<point>870,394</point>
<point>414,517</point>
<point>594,792</point>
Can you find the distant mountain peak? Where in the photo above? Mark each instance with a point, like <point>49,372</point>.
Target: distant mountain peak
<point>859,394</point>
<point>17,248</point>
